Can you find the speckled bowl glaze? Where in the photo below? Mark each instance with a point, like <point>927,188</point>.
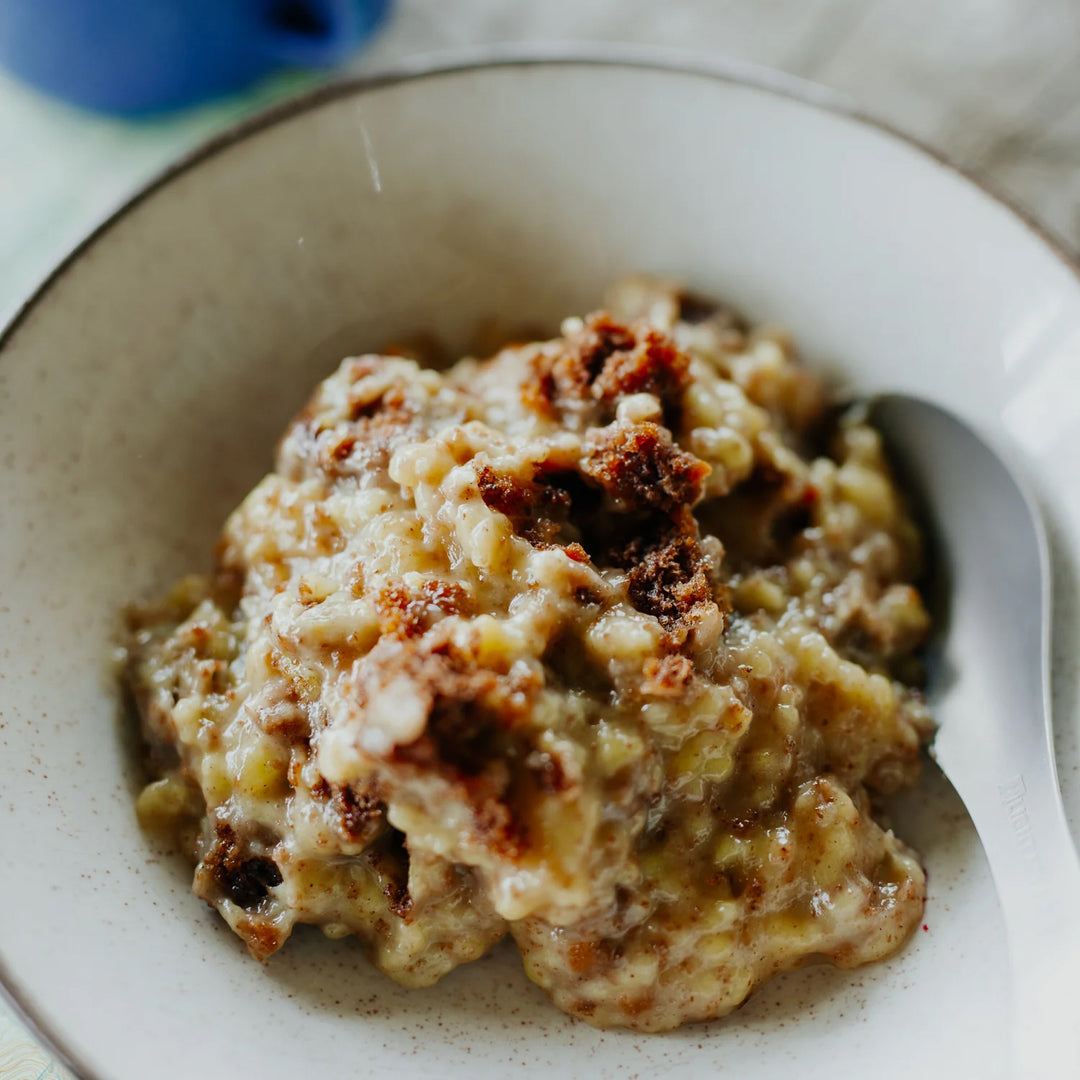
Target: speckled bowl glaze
<point>141,392</point>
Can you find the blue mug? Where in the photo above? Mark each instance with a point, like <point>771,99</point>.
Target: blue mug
<point>139,56</point>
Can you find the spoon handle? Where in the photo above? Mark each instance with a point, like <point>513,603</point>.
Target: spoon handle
<point>1037,874</point>
<point>1010,790</point>
<point>992,703</point>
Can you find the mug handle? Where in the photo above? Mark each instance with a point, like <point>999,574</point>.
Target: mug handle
<point>317,33</point>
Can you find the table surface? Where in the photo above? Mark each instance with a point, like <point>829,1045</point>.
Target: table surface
<point>992,84</point>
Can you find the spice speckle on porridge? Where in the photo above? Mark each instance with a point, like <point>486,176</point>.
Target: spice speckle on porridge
<point>605,642</point>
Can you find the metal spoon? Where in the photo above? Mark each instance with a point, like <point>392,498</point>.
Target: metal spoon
<point>989,689</point>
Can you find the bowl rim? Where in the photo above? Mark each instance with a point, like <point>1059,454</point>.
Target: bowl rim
<point>450,62</point>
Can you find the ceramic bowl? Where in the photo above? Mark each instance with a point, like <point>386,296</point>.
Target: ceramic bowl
<point>141,391</point>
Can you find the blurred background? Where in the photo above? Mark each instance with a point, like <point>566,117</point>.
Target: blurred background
<point>994,85</point>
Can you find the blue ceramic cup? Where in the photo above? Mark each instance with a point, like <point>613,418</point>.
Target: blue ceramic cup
<point>137,56</point>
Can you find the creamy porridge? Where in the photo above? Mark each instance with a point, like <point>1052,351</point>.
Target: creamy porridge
<point>605,642</point>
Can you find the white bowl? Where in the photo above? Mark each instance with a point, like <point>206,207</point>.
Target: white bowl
<point>141,392</point>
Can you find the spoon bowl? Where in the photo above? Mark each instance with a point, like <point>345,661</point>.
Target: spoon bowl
<point>989,690</point>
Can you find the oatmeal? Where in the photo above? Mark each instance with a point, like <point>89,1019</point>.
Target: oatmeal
<point>605,642</point>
